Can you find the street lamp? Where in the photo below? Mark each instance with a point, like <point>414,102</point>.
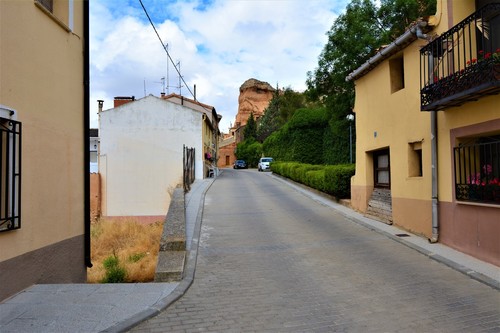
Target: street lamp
<point>350,118</point>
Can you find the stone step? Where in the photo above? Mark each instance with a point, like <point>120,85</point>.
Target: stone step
<point>380,206</point>
<point>170,266</point>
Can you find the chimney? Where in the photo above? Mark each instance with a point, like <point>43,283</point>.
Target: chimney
<point>100,103</point>
<point>120,100</point>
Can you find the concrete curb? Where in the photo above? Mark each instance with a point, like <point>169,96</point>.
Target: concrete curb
<point>180,290</point>
<point>349,214</point>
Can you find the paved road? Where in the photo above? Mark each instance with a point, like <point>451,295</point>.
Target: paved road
<point>273,260</point>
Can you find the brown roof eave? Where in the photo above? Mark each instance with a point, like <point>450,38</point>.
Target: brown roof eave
<point>410,35</point>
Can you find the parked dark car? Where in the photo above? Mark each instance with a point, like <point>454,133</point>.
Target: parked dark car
<point>240,164</point>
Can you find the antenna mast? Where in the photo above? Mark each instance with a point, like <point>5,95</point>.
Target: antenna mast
<point>168,82</point>
<point>180,77</point>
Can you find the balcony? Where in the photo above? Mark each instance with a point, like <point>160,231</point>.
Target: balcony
<point>463,64</point>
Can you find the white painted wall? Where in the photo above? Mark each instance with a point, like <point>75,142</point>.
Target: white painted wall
<point>141,152</point>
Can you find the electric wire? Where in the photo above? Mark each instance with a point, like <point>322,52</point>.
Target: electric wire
<point>165,49</point>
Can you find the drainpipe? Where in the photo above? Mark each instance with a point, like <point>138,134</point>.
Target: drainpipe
<point>86,131</point>
<point>434,175</point>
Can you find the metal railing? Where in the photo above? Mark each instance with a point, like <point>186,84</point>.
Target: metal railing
<point>188,168</point>
<point>10,174</point>
<point>477,172</point>
<point>463,63</point>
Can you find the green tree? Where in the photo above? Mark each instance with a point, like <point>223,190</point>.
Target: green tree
<point>250,130</point>
<point>249,150</point>
<point>352,39</point>
<point>281,109</point>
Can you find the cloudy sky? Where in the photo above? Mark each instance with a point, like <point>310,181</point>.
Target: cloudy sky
<point>219,44</point>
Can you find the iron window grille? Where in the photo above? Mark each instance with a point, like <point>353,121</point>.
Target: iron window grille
<point>10,174</point>
<point>477,171</point>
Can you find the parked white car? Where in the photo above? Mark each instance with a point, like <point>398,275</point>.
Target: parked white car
<point>264,163</point>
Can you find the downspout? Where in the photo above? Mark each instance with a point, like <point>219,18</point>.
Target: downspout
<point>86,132</point>
<point>434,175</point>
<point>435,219</point>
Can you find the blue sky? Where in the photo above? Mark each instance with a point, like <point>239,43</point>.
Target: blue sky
<point>219,44</point>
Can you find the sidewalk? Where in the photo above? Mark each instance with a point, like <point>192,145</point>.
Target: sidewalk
<point>102,307</point>
<point>118,307</point>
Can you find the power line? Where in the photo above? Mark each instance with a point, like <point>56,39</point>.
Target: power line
<point>166,50</point>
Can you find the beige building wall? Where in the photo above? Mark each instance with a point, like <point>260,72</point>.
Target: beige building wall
<point>41,77</point>
<point>391,118</point>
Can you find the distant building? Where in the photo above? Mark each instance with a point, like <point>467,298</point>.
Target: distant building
<point>141,152</point>
<point>94,150</point>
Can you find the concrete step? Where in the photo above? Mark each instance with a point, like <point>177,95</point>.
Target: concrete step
<point>380,206</point>
<point>170,266</point>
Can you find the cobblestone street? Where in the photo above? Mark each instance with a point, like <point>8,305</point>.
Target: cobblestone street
<point>270,259</point>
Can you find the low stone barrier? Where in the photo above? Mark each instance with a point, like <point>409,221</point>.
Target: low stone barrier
<point>172,255</point>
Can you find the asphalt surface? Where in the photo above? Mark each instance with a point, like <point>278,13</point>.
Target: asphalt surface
<point>275,258</point>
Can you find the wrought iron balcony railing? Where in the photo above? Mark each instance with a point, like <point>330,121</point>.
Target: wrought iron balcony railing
<point>463,64</point>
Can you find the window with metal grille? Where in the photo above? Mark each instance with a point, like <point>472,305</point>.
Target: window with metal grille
<point>10,174</point>
<point>477,170</point>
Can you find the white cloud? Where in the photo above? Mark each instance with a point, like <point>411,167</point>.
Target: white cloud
<point>219,47</point>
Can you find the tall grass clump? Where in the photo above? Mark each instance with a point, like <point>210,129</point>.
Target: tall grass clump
<point>124,245</point>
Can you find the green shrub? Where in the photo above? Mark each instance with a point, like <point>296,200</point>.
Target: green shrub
<point>338,180</point>
<point>331,179</point>
<point>315,179</point>
<point>136,257</point>
<point>115,273</point>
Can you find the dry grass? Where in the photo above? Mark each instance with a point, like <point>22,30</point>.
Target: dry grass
<point>135,244</point>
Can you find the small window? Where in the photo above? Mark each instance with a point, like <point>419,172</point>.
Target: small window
<point>382,168</point>
<point>396,69</point>
<point>477,170</point>
<point>10,174</point>
<point>415,159</point>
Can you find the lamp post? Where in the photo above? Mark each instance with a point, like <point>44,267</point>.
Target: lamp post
<point>350,118</point>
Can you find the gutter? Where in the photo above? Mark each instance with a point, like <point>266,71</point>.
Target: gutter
<point>86,132</point>
<point>400,43</point>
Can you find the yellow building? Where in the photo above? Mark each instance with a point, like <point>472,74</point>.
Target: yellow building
<point>44,160</point>
<point>428,129</point>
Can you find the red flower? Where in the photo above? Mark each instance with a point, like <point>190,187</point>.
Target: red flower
<point>487,55</point>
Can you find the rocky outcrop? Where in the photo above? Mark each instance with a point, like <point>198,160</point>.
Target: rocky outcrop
<point>254,97</point>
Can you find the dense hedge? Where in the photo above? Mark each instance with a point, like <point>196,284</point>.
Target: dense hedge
<point>301,139</point>
<point>331,179</point>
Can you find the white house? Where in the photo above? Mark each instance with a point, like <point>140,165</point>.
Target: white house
<point>141,153</point>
